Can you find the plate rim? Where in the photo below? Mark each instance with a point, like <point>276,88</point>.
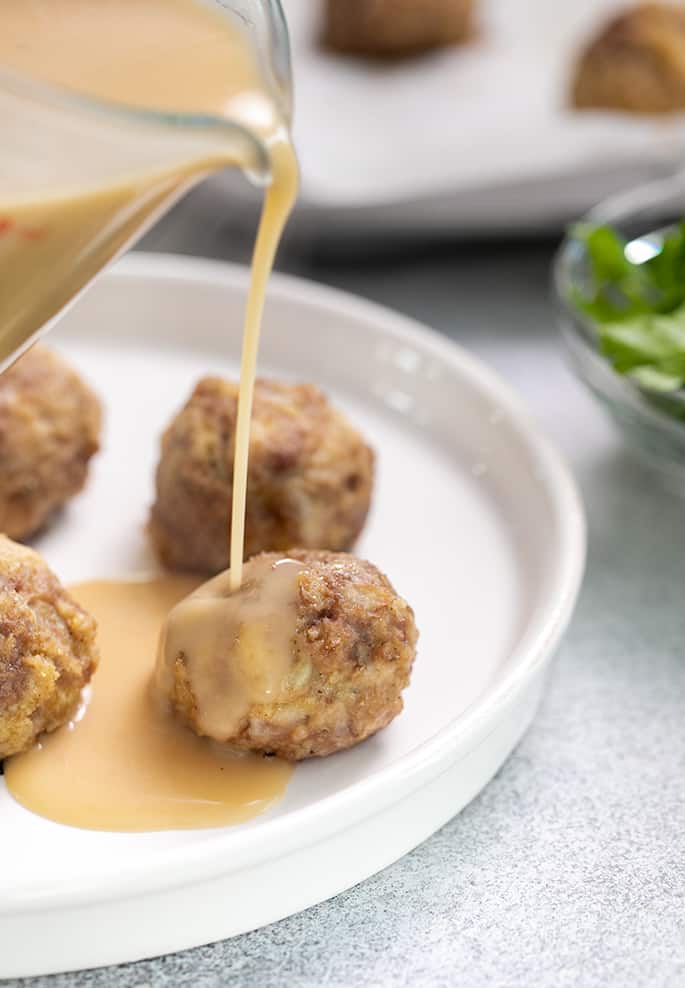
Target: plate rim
<point>379,790</point>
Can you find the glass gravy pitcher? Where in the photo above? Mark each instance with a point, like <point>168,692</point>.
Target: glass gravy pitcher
<point>82,179</point>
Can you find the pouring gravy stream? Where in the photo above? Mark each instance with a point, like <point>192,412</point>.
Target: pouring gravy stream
<point>124,764</point>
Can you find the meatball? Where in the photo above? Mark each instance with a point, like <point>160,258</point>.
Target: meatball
<point>49,430</point>
<point>309,480</point>
<point>637,62</point>
<point>391,28</point>
<point>47,649</point>
<point>348,643</point>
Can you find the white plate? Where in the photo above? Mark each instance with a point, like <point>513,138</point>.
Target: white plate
<point>477,137</point>
<point>475,519</point>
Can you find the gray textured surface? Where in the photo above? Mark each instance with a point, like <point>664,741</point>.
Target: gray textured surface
<point>569,869</point>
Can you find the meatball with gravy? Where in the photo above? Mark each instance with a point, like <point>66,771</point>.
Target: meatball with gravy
<point>47,649</point>
<point>309,481</point>
<point>49,430</point>
<point>309,657</point>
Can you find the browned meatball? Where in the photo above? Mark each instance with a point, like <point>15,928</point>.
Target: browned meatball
<point>351,646</point>
<point>636,63</point>
<point>47,649</point>
<point>49,430</point>
<point>309,481</point>
<point>392,28</point>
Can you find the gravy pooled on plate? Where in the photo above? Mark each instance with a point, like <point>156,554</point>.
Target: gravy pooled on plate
<point>124,763</point>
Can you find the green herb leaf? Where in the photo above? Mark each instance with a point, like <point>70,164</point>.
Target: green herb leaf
<point>638,309</point>
<point>655,380</point>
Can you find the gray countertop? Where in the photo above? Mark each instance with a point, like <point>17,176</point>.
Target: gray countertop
<point>569,869</point>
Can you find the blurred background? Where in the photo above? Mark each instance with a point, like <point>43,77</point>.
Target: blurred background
<point>455,120</point>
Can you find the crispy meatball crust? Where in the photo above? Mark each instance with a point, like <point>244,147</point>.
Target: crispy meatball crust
<point>354,645</point>
<point>309,481</point>
<point>47,649</point>
<point>49,430</point>
<point>393,28</point>
<point>636,64</point>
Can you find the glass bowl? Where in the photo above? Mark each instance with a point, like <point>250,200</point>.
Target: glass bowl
<point>652,424</point>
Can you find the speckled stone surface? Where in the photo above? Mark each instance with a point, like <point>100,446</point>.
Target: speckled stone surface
<point>569,869</point>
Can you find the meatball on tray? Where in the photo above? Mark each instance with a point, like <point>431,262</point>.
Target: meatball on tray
<point>473,517</point>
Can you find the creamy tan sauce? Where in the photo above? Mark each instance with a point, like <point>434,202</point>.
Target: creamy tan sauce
<point>124,763</point>
<point>236,646</point>
<point>278,202</point>
<point>165,54</point>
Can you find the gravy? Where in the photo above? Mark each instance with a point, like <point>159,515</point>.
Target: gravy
<point>180,55</point>
<point>173,55</point>
<point>237,646</point>
<point>125,763</point>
